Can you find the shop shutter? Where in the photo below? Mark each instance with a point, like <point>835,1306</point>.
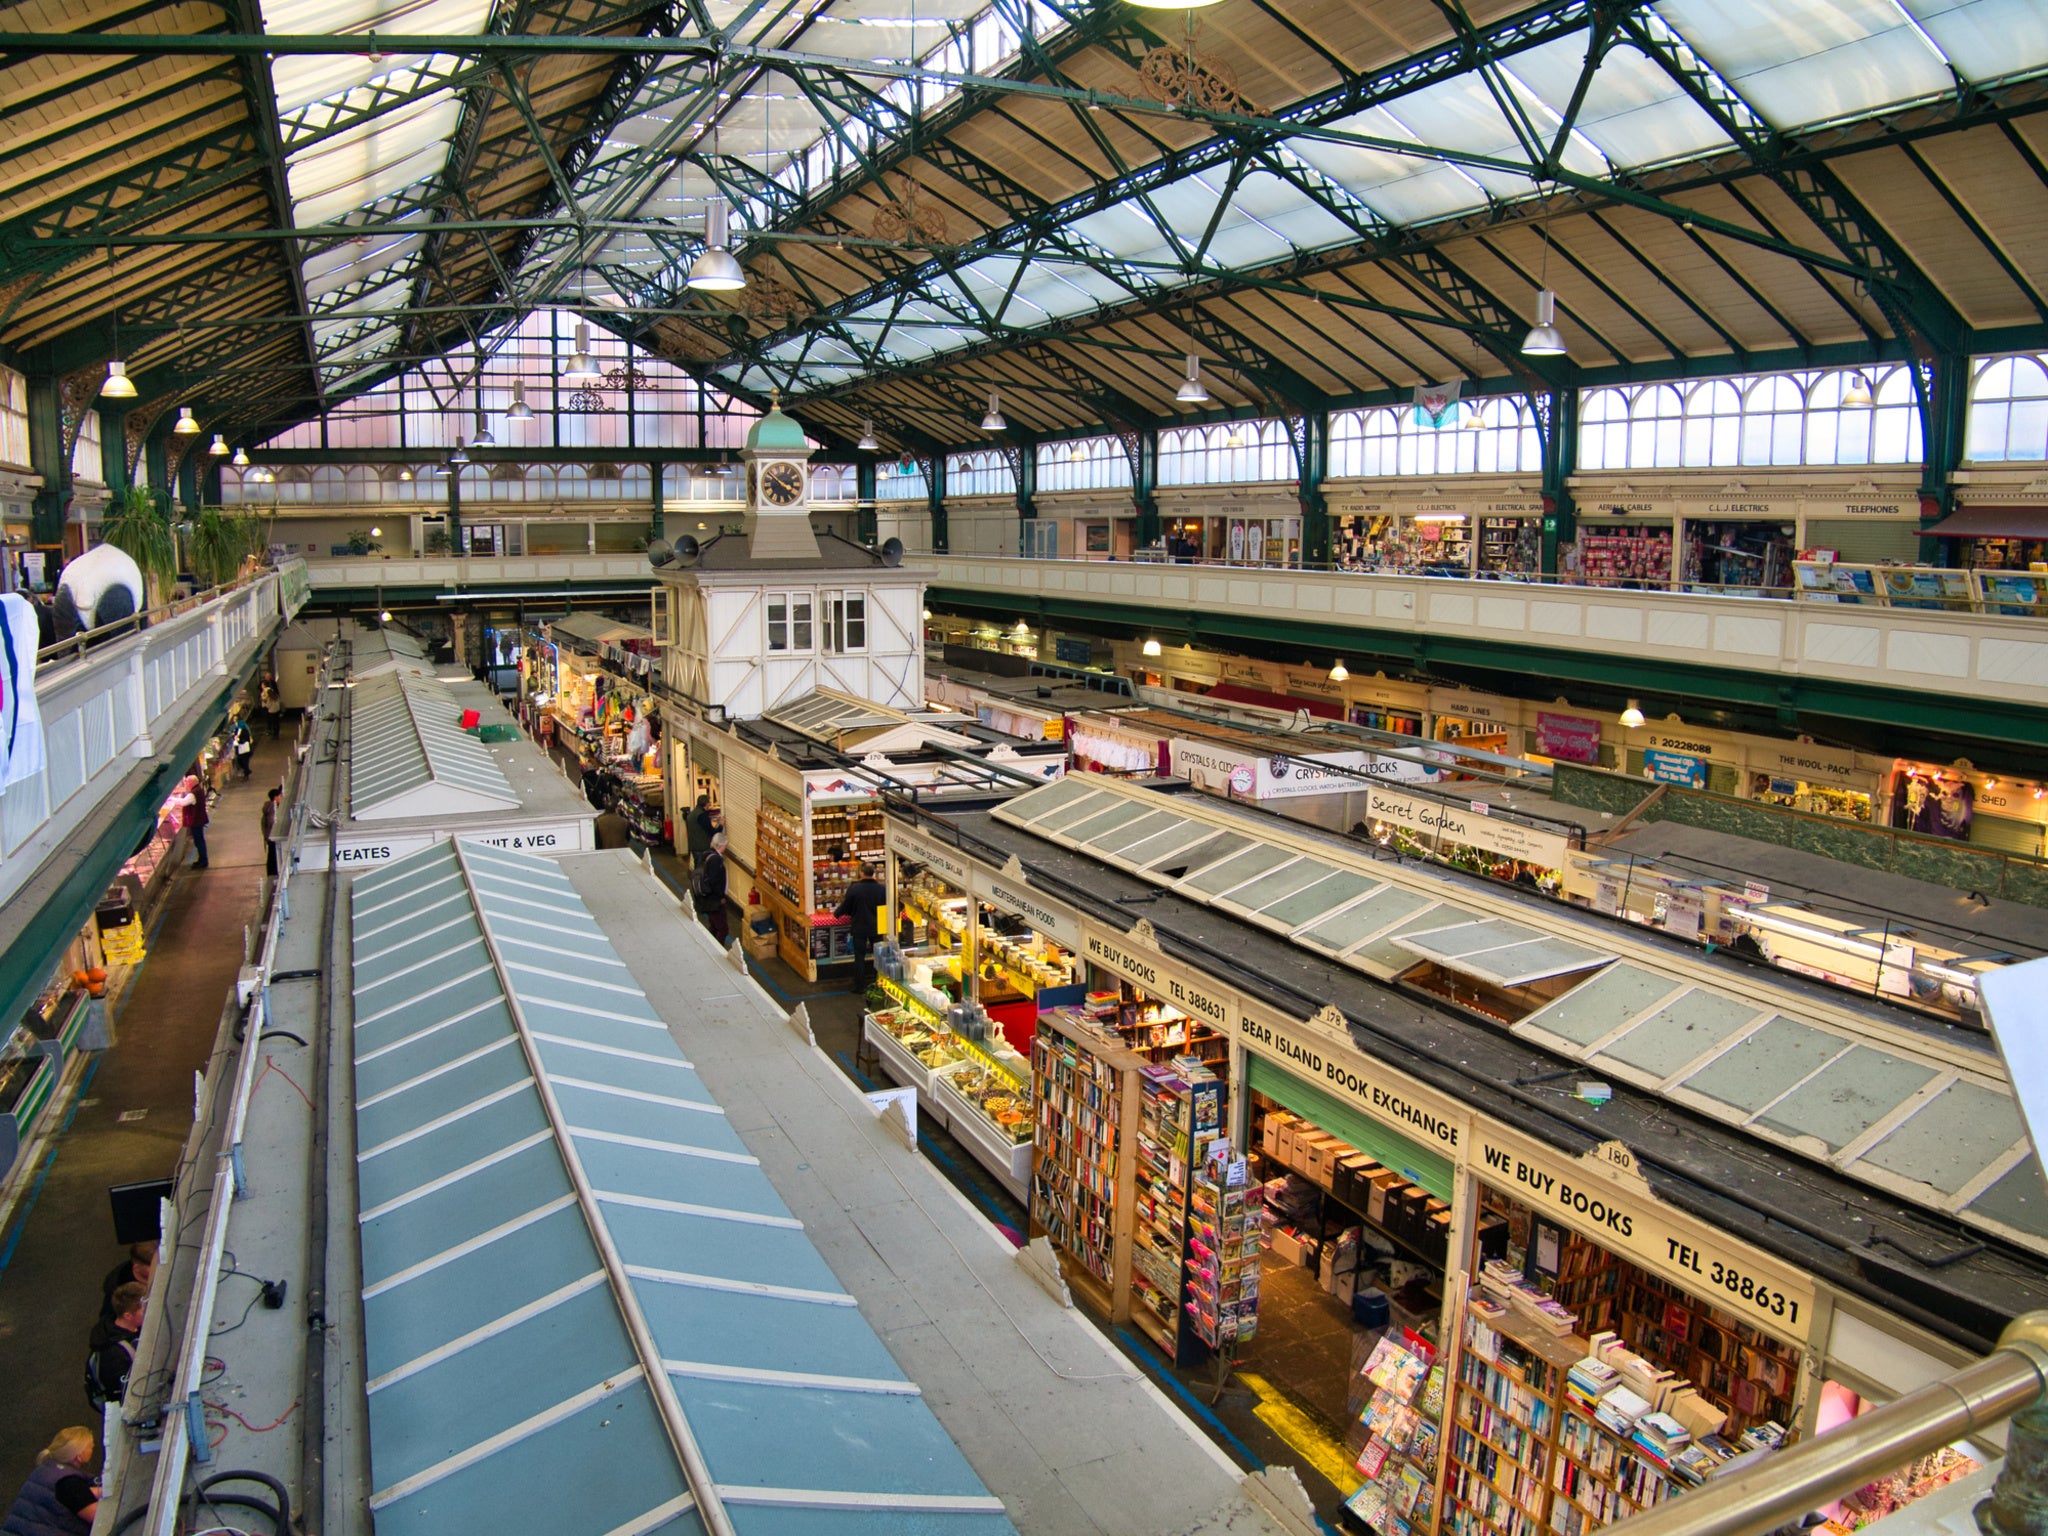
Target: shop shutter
<point>1432,1170</point>
<point>1723,779</point>
<point>1857,541</point>
<point>741,801</point>
<point>2005,834</point>
<point>704,756</point>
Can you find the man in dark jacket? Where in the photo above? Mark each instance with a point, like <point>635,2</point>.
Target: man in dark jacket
<point>698,828</point>
<point>862,906</point>
<point>112,1346</point>
<point>136,1269</point>
<point>707,889</point>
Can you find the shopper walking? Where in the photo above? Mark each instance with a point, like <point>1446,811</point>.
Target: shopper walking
<point>270,830</point>
<point>707,889</point>
<point>191,798</point>
<point>245,749</point>
<point>271,704</point>
<point>111,1348</point>
<point>862,908</point>
<point>60,1496</point>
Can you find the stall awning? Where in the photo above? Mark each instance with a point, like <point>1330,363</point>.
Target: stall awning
<point>588,631</point>
<point>1993,523</point>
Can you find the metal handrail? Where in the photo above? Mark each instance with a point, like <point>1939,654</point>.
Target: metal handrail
<point>77,645</point>
<point>2009,1383</point>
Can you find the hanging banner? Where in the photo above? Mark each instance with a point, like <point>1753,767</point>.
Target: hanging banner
<point>1568,738</point>
<point>1675,768</point>
<point>1453,825</point>
<point>1606,1197</point>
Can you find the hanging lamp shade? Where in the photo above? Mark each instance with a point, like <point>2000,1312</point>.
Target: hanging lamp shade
<point>1544,338</point>
<point>1632,717</point>
<point>868,443</point>
<point>1151,648</point>
<point>1339,672</point>
<point>460,455</point>
<point>581,368</point>
<point>519,409</point>
<point>1858,392</point>
<point>715,270</point>
<point>241,459</point>
<point>187,425</point>
<point>118,385</point>
<point>483,438</point>
<point>218,447</point>
<point>993,420</point>
<point>1191,390</point>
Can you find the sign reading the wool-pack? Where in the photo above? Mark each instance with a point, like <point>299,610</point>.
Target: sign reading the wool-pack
<point>1615,1206</point>
<point>1312,1051</point>
<point>1012,895</point>
<point>1454,824</point>
<point>1802,760</point>
<point>1162,979</point>
<point>941,861</point>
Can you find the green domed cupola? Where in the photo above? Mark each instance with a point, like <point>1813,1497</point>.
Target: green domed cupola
<point>776,433</point>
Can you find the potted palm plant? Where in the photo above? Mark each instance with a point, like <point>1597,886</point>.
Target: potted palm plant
<point>138,522</point>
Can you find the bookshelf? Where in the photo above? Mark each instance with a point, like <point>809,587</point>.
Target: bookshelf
<point>1501,1440</point>
<point>1085,1123</point>
<point>1732,1364</point>
<point>1599,1477</point>
<point>1177,1117</point>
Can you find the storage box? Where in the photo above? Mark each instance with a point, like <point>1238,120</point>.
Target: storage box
<point>1370,1308</point>
<point>1319,1156</point>
<point>1283,1142</point>
<point>1269,1132</point>
<point>1383,1184</point>
<point>1286,1244</point>
<point>1352,1168</point>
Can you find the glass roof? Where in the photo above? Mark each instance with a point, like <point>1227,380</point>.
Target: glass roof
<point>408,757</point>
<point>1871,1107</point>
<point>517,1101</point>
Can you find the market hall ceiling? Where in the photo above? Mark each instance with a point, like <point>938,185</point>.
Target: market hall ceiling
<point>1326,200</point>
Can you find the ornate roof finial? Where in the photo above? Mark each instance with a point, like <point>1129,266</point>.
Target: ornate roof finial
<point>774,397</point>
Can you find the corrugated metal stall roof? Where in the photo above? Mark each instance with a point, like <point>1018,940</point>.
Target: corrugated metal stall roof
<point>373,652</point>
<point>588,631</point>
<point>1914,1123</point>
<point>542,1176</point>
<point>409,756</point>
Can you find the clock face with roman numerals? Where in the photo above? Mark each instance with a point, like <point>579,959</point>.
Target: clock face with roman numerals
<point>782,484</point>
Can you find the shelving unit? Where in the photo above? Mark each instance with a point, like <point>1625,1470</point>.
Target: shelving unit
<point>1600,1477</point>
<point>1501,1440</point>
<point>1222,1285</point>
<point>1085,1112</point>
<point>1625,554</point>
<point>1730,1363</point>
<point>1178,1117</point>
<point>854,828</point>
<point>779,852</point>
<point>1510,545</point>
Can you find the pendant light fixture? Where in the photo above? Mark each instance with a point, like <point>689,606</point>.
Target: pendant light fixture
<point>218,447</point>
<point>1858,392</point>
<point>118,385</point>
<point>715,269</point>
<point>993,421</point>
<point>519,409</point>
<point>460,455</point>
<point>1151,647</point>
<point>868,443</point>
<point>1632,717</point>
<point>1339,672</point>
<point>187,425</point>
<point>1191,390</point>
<point>483,438</point>
<point>580,368</point>
<point>405,474</point>
<point>1544,338</point>
<point>241,459</point>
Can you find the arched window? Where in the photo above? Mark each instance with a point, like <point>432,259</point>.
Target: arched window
<point>1831,416</point>
<point>901,480</point>
<point>1226,453</point>
<point>1083,464</point>
<point>2009,409</point>
<point>1485,436</point>
<point>983,472</point>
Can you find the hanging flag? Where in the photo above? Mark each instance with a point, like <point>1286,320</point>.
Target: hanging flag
<point>1437,404</point>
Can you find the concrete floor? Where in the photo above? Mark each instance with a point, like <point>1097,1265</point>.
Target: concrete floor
<point>127,1122</point>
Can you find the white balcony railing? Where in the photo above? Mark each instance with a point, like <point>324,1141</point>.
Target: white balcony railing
<point>108,705</point>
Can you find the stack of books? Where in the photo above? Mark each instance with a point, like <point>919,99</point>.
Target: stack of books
<point>1619,1409</point>
<point>1590,1380</point>
<point>1661,1438</point>
<point>1701,1460</point>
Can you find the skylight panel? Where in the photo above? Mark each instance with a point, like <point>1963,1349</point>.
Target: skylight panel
<point>1812,61</point>
<point>1986,39</point>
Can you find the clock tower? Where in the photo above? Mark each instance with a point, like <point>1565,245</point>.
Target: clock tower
<point>778,460</point>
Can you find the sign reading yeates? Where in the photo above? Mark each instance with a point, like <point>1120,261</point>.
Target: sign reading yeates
<point>1161,979</point>
<point>1384,1094</point>
<point>1452,825</point>
<point>1619,1210</point>
<point>360,851</point>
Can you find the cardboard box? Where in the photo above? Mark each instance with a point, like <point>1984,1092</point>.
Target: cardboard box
<point>1353,1168</point>
<point>1383,1184</point>
<point>1269,1134</point>
<point>1319,1156</point>
<point>1286,1245</point>
<point>1283,1143</point>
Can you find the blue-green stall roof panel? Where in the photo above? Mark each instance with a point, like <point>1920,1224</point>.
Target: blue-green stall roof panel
<point>507,1391</point>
